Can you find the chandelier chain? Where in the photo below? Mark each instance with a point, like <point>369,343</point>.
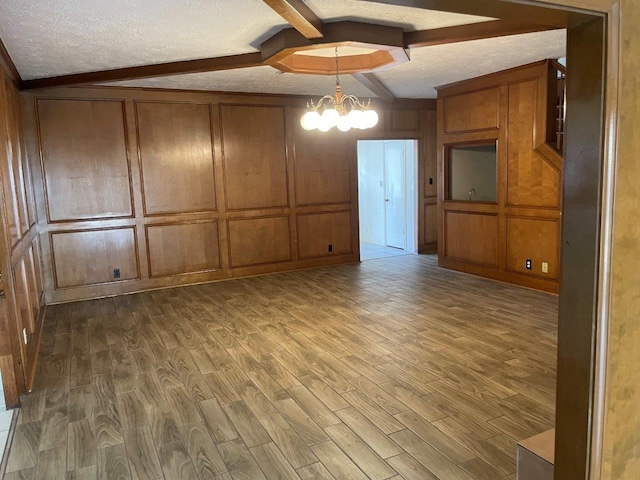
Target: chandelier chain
<point>337,70</point>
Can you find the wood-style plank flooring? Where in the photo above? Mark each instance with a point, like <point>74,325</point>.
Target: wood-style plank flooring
<point>393,368</point>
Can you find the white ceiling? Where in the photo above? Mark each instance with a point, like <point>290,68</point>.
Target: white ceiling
<point>58,37</point>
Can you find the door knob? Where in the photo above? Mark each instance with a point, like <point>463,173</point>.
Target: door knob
<point>386,199</point>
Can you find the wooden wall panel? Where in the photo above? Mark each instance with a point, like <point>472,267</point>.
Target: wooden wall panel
<point>527,183</point>
<point>533,239</point>
<point>431,223</point>
<point>472,237</point>
<point>15,138</point>
<point>404,120</point>
<point>317,231</point>
<point>531,180</point>
<point>176,157</point>
<point>472,111</point>
<point>9,181</point>
<point>255,156</point>
<point>258,241</point>
<point>85,159</point>
<point>20,312</point>
<point>183,248</point>
<point>322,167</point>
<point>89,257</point>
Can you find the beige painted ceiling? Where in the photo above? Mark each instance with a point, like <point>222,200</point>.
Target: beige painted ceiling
<point>57,37</point>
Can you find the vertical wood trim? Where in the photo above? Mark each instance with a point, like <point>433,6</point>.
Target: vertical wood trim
<point>596,467</point>
<point>583,165</point>
<point>221,189</point>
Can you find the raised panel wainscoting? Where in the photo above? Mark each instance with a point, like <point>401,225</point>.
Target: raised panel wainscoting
<point>141,189</point>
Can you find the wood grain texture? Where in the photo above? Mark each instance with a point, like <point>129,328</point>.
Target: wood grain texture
<point>528,181</point>
<point>255,156</point>
<point>183,248</point>
<point>88,257</point>
<point>437,381</point>
<point>323,169</point>
<point>531,179</point>
<point>536,240</point>
<point>471,112</point>
<point>258,241</point>
<point>175,151</point>
<point>84,144</point>
<point>317,231</point>
<point>472,237</point>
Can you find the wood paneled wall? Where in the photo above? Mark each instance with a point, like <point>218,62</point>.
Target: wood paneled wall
<point>496,239</point>
<point>20,283</point>
<point>146,189</point>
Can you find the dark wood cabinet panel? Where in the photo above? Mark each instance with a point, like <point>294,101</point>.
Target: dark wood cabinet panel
<point>176,157</point>
<point>317,233</point>
<point>91,256</point>
<point>85,159</point>
<point>255,157</point>
<point>183,248</point>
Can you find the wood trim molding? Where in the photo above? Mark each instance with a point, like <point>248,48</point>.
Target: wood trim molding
<point>230,62</point>
<point>376,86</point>
<point>9,67</point>
<point>299,16</point>
<point>474,31</point>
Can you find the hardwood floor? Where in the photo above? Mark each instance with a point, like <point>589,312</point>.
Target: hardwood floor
<point>388,369</point>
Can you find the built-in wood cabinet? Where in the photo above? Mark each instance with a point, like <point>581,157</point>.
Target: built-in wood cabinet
<point>519,220</point>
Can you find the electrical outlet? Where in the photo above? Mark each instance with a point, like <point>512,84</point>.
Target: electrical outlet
<point>330,248</point>
<point>545,267</point>
<point>116,273</point>
<point>528,264</point>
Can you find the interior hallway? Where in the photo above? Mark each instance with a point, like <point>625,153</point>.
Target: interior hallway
<point>392,366</point>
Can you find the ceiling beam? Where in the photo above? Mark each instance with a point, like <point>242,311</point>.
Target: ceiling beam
<point>299,16</point>
<point>376,86</point>
<point>6,63</point>
<point>230,62</point>
<point>465,33</point>
<point>499,9</point>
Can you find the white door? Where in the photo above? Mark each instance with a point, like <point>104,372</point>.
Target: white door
<point>394,194</point>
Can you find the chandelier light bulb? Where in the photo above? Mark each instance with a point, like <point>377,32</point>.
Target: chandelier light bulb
<point>342,111</point>
<point>344,123</point>
<point>310,120</point>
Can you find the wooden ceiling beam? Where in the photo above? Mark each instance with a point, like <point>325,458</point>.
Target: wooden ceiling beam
<point>6,63</point>
<point>230,62</point>
<point>299,16</point>
<point>376,86</point>
<point>499,9</point>
<point>465,33</point>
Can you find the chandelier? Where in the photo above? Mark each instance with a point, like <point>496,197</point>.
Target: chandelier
<point>342,111</point>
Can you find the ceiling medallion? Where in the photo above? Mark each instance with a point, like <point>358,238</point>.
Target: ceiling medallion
<point>342,111</point>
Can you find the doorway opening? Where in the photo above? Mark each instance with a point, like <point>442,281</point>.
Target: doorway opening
<point>388,198</point>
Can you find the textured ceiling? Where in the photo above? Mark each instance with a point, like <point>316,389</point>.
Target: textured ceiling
<point>429,67</point>
<point>408,18</point>
<point>58,37</point>
<point>254,80</point>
